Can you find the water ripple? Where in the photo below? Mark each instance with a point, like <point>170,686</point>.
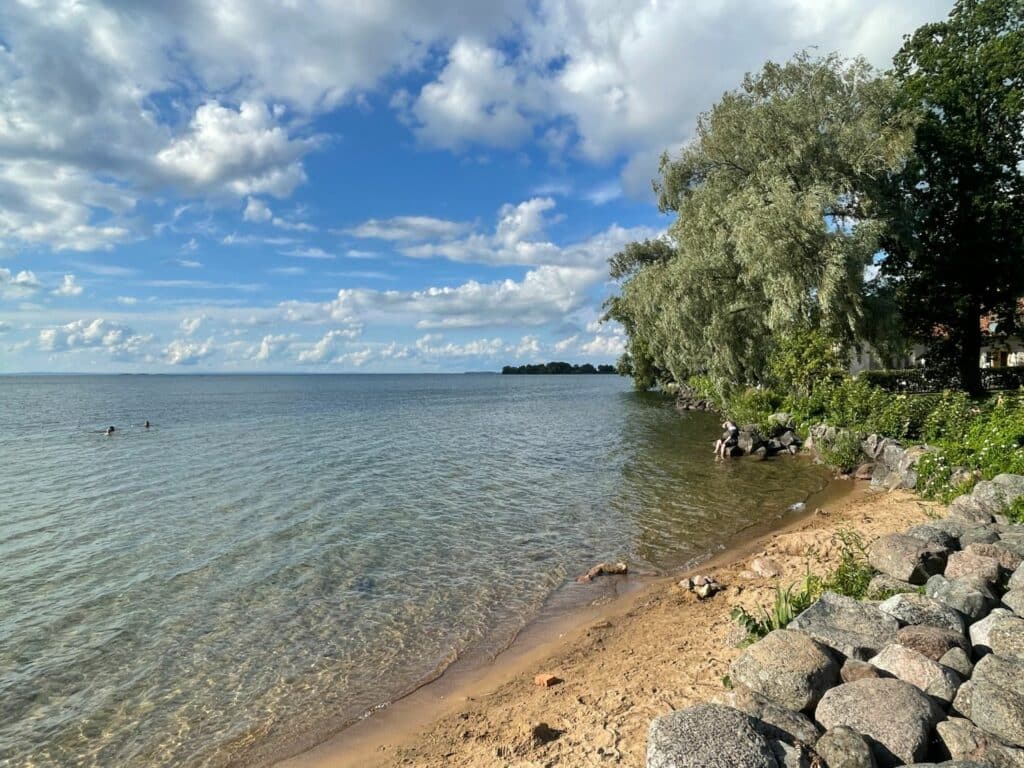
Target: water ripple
<point>278,553</point>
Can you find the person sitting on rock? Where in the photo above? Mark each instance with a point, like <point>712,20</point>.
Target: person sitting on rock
<point>728,440</point>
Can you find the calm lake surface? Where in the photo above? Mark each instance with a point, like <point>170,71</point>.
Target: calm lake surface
<point>281,552</point>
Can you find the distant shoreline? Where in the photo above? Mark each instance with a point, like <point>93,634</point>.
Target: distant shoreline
<point>556,369</point>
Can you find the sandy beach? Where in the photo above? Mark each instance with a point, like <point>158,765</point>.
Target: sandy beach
<point>621,662</point>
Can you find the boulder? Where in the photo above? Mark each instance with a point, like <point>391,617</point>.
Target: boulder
<point>979,534</point>
<point>960,595</point>
<point>965,508</point>
<point>1007,558</point>
<point>864,471</point>
<point>770,720</point>
<point>931,641</point>
<point>1014,485</point>
<point>916,608</point>
<point>853,669</point>
<point>997,702</point>
<point>1013,542</point>
<point>1014,600</point>
<point>980,630</point>
<point>749,439</point>
<point>882,586</point>
<point>843,747</point>
<point>851,628</point>
<point>906,558</point>
<point>918,670</point>
<point>707,736</point>
<point>895,718</point>
<point>972,566</point>
<point>933,534</point>
<point>1006,638</point>
<point>991,496</point>
<point>962,700</point>
<point>787,667</point>
<point>1017,579</point>
<point>965,741</point>
<point>958,660</point>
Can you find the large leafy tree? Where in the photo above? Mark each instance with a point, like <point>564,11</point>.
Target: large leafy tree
<point>956,246</point>
<point>775,223</point>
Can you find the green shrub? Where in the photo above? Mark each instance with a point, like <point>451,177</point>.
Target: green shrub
<point>845,453</point>
<point>789,603</point>
<point>852,576</point>
<point>754,406</point>
<point>1016,511</point>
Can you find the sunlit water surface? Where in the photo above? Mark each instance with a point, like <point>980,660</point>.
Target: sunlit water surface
<point>281,552</point>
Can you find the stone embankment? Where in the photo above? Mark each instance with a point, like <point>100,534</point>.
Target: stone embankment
<point>933,673</point>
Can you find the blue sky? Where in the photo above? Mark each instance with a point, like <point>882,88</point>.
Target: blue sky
<point>346,186</point>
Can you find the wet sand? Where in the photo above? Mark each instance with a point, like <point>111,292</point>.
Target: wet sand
<point>643,647</point>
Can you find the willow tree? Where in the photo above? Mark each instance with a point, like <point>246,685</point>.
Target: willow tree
<point>776,221</point>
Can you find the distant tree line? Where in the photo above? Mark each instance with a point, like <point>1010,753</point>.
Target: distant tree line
<point>557,368</point>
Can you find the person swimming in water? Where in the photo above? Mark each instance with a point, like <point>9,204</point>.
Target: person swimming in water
<point>728,440</point>
<point>108,431</point>
<point>146,425</point>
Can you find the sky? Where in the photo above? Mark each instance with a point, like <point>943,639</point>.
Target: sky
<point>350,185</point>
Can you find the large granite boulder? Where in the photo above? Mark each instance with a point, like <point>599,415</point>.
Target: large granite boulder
<point>980,630</point>
<point>787,667</point>
<point>961,595</point>
<point>895,717</point>
<point>1008,559</point>
<point>707,736</point>
<point>934,534</point>
<point>918,670</point>
<point>969,565</point>
<point>966,509</point>
<point>1006,638</point>
<point>1017,579</point>
<point>965,741</point>
<point>930,641</point>
<point>1013,540</point>
<point>920,609</point>
<point>1014,600</point>
<point>991,496</point>
<point>851,628</point>
<point>770,719</point>
<point>906,558</point>
<point>843,747</point>
<point>959,661</point>
<point>979,534</point>
<point>997,703</point>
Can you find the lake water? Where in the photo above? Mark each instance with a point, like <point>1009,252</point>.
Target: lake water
<point>278,553</point>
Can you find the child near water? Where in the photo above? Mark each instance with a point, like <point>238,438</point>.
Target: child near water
<point>728,440</point>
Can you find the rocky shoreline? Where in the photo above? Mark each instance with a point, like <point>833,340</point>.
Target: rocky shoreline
<point>935,672</point>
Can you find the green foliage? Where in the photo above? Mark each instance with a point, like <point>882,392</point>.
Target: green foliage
<point>788,604</point>
<point>979,441</point>
<point>774,167</point>
<point>804,360</point>
<point>852,576</point>
<point>845,453</point>
<point>1016,511</point>
<point>955,240</point>
<point>754,406</point>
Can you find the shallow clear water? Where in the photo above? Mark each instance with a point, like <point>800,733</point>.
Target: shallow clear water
<point>281,552</point>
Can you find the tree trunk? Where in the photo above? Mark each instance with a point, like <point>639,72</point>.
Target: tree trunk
<point>969,361</point>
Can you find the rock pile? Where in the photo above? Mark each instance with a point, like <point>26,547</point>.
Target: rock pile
<point>935,672</point>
